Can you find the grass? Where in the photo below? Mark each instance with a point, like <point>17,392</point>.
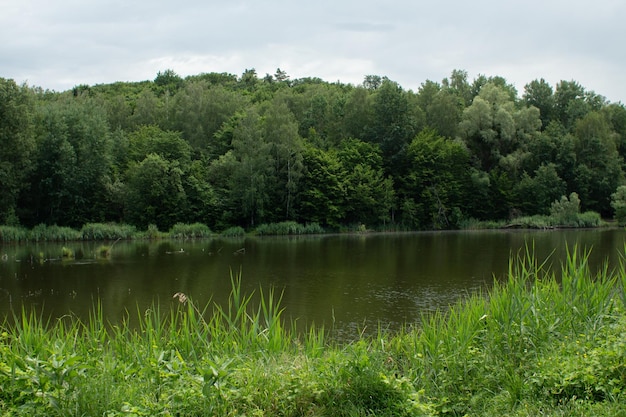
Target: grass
<point>587,219</point>
<point>537,343</point>
<point>190,231</point>
<point>288,228</point>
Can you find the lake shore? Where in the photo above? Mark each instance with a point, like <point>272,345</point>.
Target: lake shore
<point>532,345</point>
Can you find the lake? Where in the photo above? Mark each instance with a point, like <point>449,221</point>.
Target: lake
<point>349,283</point>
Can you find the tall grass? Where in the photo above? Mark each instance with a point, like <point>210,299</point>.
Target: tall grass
<point>288,228</point>
<point>46,233</point>
<point>536,343</point>
<point>11,234</point>
<point>190,231</point>
<point>107,231</point>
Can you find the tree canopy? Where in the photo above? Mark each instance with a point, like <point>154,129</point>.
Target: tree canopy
<point>229,150</point>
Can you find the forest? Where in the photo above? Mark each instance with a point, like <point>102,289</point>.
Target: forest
<point>226,150</point>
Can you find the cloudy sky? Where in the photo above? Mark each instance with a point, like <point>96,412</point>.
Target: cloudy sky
<point>59,44</point>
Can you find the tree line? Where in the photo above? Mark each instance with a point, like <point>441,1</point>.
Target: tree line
<point>227,150</point>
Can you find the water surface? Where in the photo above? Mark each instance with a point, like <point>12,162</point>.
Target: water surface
<point>350,283</point>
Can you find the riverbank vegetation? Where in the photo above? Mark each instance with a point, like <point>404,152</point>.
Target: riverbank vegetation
<point>241,151</point>
<point>536,343</point>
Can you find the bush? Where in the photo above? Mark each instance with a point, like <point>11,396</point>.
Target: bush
<point>618,202</point>
<point>589,219</point>
<point>288,228</point>
<point>235,231</point>
<point>108,231</point>
<point>54,233</point>
<point>564,212</point>
<point>13,234</point>
<point>190,231</point>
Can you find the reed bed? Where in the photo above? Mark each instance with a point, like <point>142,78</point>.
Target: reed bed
<point>288,228</point>
<point>107,231</point>
<point>190,231</point>
<point>534,344</point>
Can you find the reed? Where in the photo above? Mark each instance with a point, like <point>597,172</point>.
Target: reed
<point>54,233</point>
<point>235,231</point>
<point>288,228</point>
<point>13,234</point>
<point>107,231</point>
<point>190,231</point>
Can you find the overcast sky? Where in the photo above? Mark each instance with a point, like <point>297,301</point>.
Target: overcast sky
<point>62,43</point>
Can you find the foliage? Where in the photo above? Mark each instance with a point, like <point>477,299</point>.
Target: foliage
<point>288,228</point>
<point>17,145</point>
<point>239,151</point>
<point>13,234</point>
<point>618,202</point>
<point>109,231</point>
<point>566,210</point>
<point>54,233</point>
<point>235,231</point>
<point>190,231</point>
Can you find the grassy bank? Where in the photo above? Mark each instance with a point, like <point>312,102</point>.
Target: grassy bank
<point>114,231</point>
<point>534,345</point>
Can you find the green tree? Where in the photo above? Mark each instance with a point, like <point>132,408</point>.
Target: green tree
<point>152,139</point>
<point>200,110</point>
<point>539,94</point>
<point>569,103</point>
<point>618,203</point>
<point>493,128</point>
<point>280,132</point>
<point>74,166</point>
<point>167,82</point>
<point>598,165</point>
<point>368,193</point>
<point>444,114</point>
<point>252,171</point>
<point>438,179</point>
<point>395,121</point>
<point>322,190</point>
<point>17,145</point>
<point>148,110</point>
<point>155,193</point>
<point>535,194</point>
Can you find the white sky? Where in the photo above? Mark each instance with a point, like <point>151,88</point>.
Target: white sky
<point>62,43</point>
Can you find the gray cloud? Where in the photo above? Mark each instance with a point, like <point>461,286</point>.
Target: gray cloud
<point>60,44</point>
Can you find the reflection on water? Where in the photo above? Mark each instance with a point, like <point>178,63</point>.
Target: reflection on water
<point>348,283</point>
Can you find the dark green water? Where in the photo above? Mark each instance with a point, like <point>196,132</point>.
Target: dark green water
<point>349,283</point>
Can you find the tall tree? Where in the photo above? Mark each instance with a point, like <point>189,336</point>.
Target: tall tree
<point>539,93</point>
<point>438,178</point>
<point>369,193</point>
<point>280,132</point>
<point>200,110</point>
<point>155,193</point>
<point>493,128</point>
<point>16,145</point>
<point>598,165</point>
<point>74,162</point>
<point>395,121</point>
<point>253,168</point>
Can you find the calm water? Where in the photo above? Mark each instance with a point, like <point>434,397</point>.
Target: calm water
<point>349,283</point>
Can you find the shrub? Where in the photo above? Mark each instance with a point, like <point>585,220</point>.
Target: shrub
<point>54,233</point>
<point>108,231</point>
<point>618,202</point>
<point>190,231</point>
<point>564,212</point>
<point>13,234</point>
<point>235,231</point>
<point>288,228</point>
